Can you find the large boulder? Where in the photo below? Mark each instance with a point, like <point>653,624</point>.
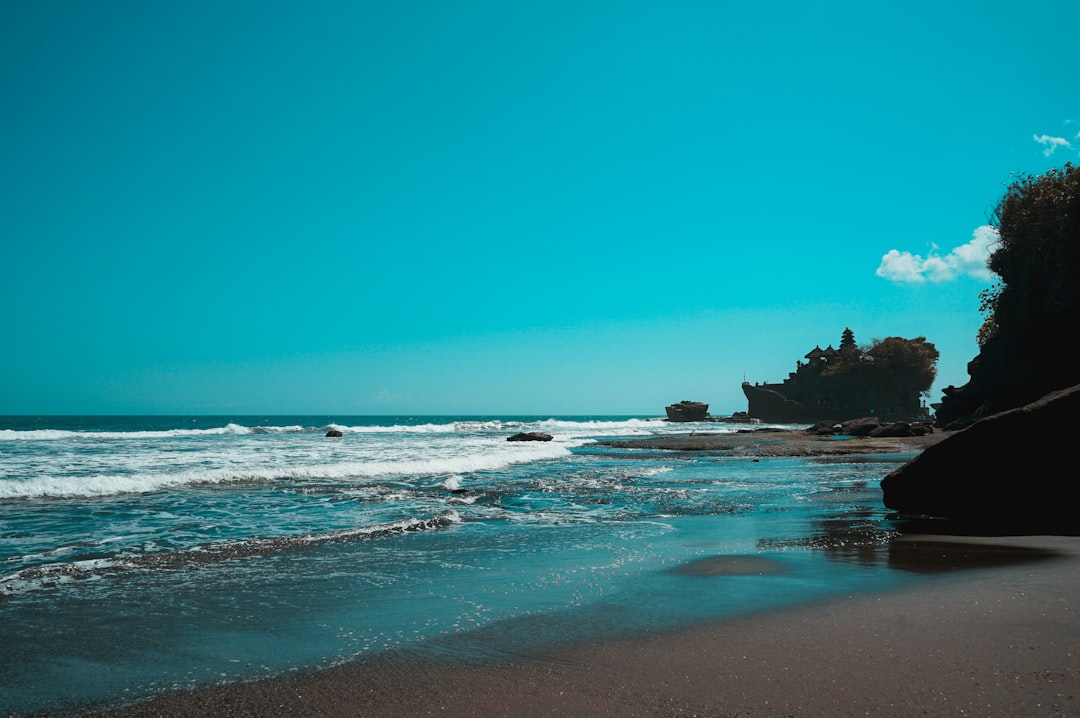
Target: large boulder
<point>1010,470</point>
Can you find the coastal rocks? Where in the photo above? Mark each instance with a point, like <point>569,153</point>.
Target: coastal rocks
<point>334,433</point>
<point>865,426</point>
<point>824,428</point>
<point>897,428</point>
<point>530,436</point>
<point>739,417</point>
<point>871,427</point>
<point>687,411</point>
<point>1007,470</point>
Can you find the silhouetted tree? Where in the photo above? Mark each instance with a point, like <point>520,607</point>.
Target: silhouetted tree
<point>1030,339</point>
<point>902,367</point>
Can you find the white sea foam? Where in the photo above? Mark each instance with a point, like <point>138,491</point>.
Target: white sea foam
<point>59,434</point>
<point>561,428</point>
<point>471,458</point>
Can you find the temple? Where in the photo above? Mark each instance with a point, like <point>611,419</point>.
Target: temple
<point>836,385</point>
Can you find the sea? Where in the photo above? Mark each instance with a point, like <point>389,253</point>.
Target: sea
<point>145,554</point>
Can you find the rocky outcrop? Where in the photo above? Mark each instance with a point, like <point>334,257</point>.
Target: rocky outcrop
<point>739,417</point>
<point>864,426</point>
<point>530,436</point>
<point>872,427</point>
<point>768,404</point>
<point>1030,340</point>
<point>334,433</point>
<point>1011,470</point>
<point>687,411</point>
<point>885,380</point>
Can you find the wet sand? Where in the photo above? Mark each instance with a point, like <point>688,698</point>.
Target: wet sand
<point>991,628</point>
<point>993,631</point>
<point>765,442</point>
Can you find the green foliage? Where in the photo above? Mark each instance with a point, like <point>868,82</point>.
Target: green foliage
<point>1038,254</point>
<point>1029,343</point>
<point>910,365</point>
<point>893,371</point>
<point>1033,316</point>
<point>988,299</point>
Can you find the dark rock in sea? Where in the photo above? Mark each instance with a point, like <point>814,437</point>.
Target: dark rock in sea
<point>334,433</point>
<point>687,411</point>
<point>530,436</point>
<point>1007,470</point>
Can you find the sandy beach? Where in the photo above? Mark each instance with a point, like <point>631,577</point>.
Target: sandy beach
<point>1001,639</point>
<point>992,628</point>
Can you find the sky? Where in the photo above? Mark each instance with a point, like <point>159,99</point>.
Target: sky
<point>489,207</point>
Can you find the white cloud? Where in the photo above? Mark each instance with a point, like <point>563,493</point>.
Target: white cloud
<point>966,260</point>
<point>901,267</point>
<point>1052,143</point>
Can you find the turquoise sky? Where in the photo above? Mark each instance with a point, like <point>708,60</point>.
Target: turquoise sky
<point>500,207</point>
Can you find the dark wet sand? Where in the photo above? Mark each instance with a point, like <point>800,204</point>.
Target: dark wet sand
<point>778,443</point>
<point>993,630</point>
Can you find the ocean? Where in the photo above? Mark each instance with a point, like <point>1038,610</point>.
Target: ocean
<point>149,554</point>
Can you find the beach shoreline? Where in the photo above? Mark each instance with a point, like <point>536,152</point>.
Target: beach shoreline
<point>992,631</point>
<point>988,627</point>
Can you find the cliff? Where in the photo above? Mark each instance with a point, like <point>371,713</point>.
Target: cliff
<point>1031,338</point>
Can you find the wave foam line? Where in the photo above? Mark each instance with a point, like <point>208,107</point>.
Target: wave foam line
<point>228,429</point>
<point>106,485</point>
<point>47,576</point>
<point>582,428</point>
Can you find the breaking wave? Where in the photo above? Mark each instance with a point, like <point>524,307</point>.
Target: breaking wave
<point>107,484</point>
<point>55,574</point>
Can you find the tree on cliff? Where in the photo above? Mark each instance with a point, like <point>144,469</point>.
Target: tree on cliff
<point>1030,341</point>
<point>1038,253</point>
<point>894,370</point>
<point>906,367</point>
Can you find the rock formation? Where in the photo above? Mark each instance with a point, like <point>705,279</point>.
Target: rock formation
<point>885,381</point>
<point>1009,470</point>
<point>530,436</point>
<point>687,411</point>
<point>1030,340</point>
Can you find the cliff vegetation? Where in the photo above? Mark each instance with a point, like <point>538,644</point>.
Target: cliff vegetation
<point>1030,340</point>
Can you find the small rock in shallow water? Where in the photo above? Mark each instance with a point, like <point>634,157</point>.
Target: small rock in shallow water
<point>529,436</point>
<point>334,433</point>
